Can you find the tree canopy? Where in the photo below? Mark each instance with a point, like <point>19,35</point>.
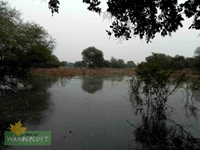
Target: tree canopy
<point>23,45</point>
<point>144,18</point>
<point>93,58</point>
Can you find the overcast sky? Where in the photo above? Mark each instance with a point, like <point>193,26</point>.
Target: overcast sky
<point>75,28</point>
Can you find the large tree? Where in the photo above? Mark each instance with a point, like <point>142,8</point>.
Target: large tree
<point>23,45</point>
<point>144,17</point>
<point>93,58</point>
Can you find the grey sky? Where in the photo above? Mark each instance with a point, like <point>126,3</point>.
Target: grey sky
<point>75,28</point>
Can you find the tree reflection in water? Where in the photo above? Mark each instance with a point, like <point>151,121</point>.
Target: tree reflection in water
<point>28,105</point>
<point>191,94</point>
<point>92,84</point>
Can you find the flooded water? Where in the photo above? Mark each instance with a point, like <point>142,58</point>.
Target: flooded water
<point>88,113</point>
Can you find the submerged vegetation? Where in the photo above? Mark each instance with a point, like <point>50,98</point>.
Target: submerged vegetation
<point>149,92</point>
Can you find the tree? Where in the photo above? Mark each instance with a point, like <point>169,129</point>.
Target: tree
<point>113,62</point>
<point>79,64</point>
<point>130,64</point>
<point>197,58</point>
<point>120,63</point>
<point>144,18</point>
<point>117,63</point>
<point>70,64</point>
<point>23,45</point>
<point>52,63</point>
<point>93,58</point>
<point>107,64</point>
<point>161,58</point>
<point>63,63</point>
<point>197,51</point>
<point>189,62</point>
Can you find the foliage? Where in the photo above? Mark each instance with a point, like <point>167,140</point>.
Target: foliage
<point>161,58</point>
<point>155,80</point>
<point>144,18</point>
<point>92,57</point>
<point>117,63</point>
<point>53,62</point>
<point>197,51</point>
<point>70,64</point>
<point>79,64</point>
<point>130,64</point>
<point>23,46</point>
<point>149,92</point>
<point>107,63</point>
<point>63,63</point>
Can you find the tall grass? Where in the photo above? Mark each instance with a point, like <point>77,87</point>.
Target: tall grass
<point>64,72</point>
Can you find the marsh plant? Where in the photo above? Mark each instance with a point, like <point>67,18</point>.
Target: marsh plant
<point>149,91</point>
<point>155,82</point>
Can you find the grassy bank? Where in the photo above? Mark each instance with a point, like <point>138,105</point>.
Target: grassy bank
<point>65,72</point>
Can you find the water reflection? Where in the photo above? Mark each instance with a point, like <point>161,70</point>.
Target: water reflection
<point>191,96</point>
<point>155,133</point>
<point>27,105</point>
<point>114,78</point>
<point>158,130</point>
<point>92,84</point>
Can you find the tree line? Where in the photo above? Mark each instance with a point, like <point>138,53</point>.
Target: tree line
<point>177,62</point>
<point>94,58</point>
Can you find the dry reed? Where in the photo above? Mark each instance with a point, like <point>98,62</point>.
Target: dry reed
<point>64,71</point>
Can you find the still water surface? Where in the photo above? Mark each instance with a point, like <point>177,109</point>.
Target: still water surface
<point>90,113</point>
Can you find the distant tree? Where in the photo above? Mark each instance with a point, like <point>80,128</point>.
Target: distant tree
<point>144,18</point>
<point>93,57</point>
<point>70,64</point>
<point>161,58</point>
<point>197,51</point>
<point>117,63</point>
<point>130,64</point>
<point>189,62</point>
<point>113,62</point>
<point>63,63</point>
<point>179,62</point>
<point>107,64</point>
<point>79,64</point>
<point>197,58</point>
<point>120,63</point>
